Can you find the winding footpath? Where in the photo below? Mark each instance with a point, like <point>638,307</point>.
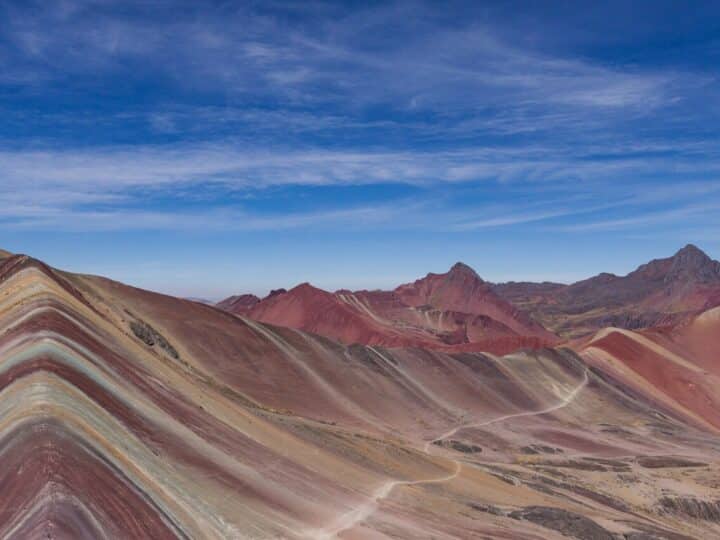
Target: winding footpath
<point>564,403</point>
<point>361,513</point>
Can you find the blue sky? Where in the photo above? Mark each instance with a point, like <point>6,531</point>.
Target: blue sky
<point>206,148</point>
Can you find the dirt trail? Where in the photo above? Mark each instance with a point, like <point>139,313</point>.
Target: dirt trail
<point>364,511</point>
<point>361,513</point>
<point>564,403</point>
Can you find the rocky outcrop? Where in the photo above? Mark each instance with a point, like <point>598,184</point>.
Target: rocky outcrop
<point>459,446</point>
<point>691,508</point>
<point>535,449</point>
<point>151,337</point>
<point>661,462</point>
<point>563,521</point>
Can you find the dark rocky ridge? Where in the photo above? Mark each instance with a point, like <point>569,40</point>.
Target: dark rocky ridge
<point>151,337</point>
<point>691,508</point>
<point>660,292</point>
<point>661,462</point>
<point>238,304</point>
<point>563,521</point>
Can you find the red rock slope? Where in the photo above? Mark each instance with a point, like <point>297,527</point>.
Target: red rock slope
<point>677,365</point>
<point>452,311</point>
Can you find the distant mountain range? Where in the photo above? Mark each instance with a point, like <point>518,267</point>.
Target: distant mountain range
<point>660,292</point>
<point>460,311</point>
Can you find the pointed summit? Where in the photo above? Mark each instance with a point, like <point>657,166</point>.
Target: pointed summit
<point>692,263</point>
<point>303,288</point>
<point>689,264</point>
<point>460,268</point>
<point>462,291</point>
<point>691,248</point>
<point>692,254</point>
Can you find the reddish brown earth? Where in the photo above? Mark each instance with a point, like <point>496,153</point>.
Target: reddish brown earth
<point>459,311</point>
<point>129,414</point>
<point>664,372</point>
<point>452,311</point>
<point>661,292</point>
<point>240,304</point>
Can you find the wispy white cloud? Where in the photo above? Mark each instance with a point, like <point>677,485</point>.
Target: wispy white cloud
<point>471,91</point>
<point>57,217</point>
<point>108,188</point>
<point>332,59</point>
<point>103,169</point>
<point>513,217</point>
<point>681,214</point>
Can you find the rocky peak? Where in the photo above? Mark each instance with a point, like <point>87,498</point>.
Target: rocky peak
<point>692,256</point>
<point>302,287</point>
<point>238,304</point>
<point>691,263</point>
<point>276,292</point>
<point>462,271</point>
